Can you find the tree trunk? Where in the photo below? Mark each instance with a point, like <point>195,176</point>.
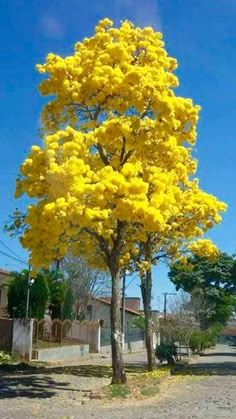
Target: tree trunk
<point>146,288</point>
<point>119,376</point>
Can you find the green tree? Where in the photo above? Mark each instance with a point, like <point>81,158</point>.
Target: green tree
<point>139,322</point>
<point>57,291</point>
<point>17,295</point>
<point>211,285</point>
<point>201,272</point>
<point>68,304</point>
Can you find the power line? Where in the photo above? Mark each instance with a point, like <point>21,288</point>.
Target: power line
<point>9,265</point>
<point>136,276</point>
<point>8,248</point>
<point>12,257</point>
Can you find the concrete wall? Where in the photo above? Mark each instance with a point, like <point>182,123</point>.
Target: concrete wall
<point>4,295</point>
<point>22,337</point>
<point>63,353</point>
<point>3,300</point>
<point>129,347</point>
<point>87,332</point>
<point>6,329</point>
<point>101,311</point>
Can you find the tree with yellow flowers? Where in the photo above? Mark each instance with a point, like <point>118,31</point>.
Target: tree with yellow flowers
<point>115,172</point>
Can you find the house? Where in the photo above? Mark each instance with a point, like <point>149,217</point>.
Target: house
<point>100,309</point>
<point>3,291</point>
<point>132,303</point>
<point>133,338</point>
<point>156,315</point>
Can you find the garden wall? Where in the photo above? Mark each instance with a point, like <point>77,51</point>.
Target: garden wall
<point>6,329</point>
<point>63,353</point>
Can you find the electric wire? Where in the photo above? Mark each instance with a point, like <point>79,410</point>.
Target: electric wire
<point>8,248</point>
<point>14,258</point>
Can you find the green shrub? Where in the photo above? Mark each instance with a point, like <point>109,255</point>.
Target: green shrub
<point>215,333</point>
<point>195,341</point>
<point>206,340</point>
<point>4,357</point>
<point>166,352</point>
<point>200,340</point>
<point>203,339</point>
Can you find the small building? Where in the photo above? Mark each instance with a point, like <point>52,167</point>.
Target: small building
<point>131,303</point>
<point>100,309</point>
<point>3,291</point>
<point>133,338</point>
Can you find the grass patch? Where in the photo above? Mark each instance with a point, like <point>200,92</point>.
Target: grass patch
<point>150,391</point>
<point>8,358</point>
<point>5,357</point>
<point>139,386</point>
<point>117,390</point>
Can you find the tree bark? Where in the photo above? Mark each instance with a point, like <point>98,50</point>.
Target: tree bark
<point>146,289</point>
<point>119,376</point>
<point>112,253</point>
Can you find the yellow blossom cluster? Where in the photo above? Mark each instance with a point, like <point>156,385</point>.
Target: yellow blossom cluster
<point>117,148</point>
<point>204,248</point>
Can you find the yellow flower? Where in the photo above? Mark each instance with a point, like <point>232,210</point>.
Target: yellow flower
<point>117,149</point>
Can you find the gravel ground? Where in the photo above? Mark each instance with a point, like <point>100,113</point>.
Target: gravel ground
<point>207,391</point>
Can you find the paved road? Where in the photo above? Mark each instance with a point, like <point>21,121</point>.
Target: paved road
<point>206,390</point>
<point>221,355</point>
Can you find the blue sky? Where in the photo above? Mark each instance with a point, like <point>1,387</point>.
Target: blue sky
<point>200,34</point>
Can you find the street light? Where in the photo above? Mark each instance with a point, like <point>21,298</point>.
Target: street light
<point>30,283</point>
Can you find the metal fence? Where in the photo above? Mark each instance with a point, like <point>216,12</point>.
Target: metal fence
<point>132,334</point>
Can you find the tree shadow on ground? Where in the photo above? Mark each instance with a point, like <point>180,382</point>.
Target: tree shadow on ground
<point>96,371</point>
<point>224,368</point>
<point>22,380</point>
<point>212,354</point>
<point>87,370</point>
<point>29,385</point>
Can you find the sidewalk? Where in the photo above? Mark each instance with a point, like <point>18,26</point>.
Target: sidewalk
<point>135,358</point>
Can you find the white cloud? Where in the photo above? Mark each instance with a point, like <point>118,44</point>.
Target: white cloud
<point>140,12</point>
<point>52,27</point>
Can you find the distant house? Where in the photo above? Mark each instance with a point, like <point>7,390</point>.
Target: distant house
<point>3,291</point>
<point>100,309</point>
<point>156,315</point>
<point>131,303</point>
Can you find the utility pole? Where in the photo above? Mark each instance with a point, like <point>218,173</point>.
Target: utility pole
<point>123,312</point>
<point>28,294</point>
<point>165,301</point>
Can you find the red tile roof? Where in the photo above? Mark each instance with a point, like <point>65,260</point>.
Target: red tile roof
<point>131,303</point>
<point>4,272</point>
<point>109,303</point>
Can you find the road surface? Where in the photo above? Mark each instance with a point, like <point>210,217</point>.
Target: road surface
<point>205,389</point>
